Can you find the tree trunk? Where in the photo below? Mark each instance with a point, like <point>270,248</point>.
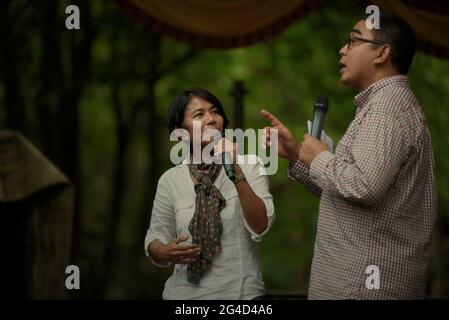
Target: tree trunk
<point>60,93</point>
<point>10,74</point>
<point>68,115</point>
<point>153,130</point>
<point>123,137</point>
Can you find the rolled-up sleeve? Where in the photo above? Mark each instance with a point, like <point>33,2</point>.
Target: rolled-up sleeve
<point>258,180</point>
<point>162,224</point>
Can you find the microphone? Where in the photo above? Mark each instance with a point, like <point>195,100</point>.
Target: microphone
<point>228,166</point>
<point>319,114</point>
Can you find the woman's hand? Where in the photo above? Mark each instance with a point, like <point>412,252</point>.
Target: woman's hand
<point>253,207</point>
<point>225,145</point>
<point>174,251</point>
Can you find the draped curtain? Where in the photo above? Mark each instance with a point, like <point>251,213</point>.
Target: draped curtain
<point>225,24</point>
<point>219,23</point>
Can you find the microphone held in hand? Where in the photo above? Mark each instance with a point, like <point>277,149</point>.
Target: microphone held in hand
<point>319,114</point>
<point>228,166</point>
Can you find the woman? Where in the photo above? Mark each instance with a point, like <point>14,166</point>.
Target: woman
<point>202,222</point>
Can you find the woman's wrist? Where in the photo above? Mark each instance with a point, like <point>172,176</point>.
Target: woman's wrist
<point>239,178</point>
<point>154,249</point>
<point>237,169</point>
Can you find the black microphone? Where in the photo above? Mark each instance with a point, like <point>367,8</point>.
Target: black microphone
<point>319,114</point>
<point>228,166</point>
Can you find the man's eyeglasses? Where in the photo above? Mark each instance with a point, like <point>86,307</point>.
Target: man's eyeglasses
<point>352,40</point>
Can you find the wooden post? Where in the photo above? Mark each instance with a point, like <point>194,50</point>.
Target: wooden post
<point>238,93</point>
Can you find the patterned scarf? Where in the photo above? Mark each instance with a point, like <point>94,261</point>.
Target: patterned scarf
<point>205,226</point>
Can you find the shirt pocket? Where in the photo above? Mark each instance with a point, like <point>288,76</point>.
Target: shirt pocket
<point>232,204</point>
<point>184,209</point>
<point>230,217</point>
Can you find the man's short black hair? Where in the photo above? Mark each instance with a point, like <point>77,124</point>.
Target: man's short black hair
<point>399,35</point>
<point>175,115</point>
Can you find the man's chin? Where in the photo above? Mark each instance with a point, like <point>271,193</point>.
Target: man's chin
<point>345,80</point>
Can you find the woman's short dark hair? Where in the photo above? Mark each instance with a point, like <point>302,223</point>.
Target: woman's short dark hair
<point>175,115</point>
<point>399,35</point>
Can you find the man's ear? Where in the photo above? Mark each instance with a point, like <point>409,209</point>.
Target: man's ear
<point>383,54</point>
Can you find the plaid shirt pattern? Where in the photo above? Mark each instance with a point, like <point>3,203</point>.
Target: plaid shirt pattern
<point>378,200</point>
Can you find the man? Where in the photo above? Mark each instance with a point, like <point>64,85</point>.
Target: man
<point>378,191</point>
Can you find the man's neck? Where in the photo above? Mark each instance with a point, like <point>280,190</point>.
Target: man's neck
<point>381,74</point>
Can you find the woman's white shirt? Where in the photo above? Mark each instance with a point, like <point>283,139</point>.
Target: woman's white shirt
<point>235,273</point>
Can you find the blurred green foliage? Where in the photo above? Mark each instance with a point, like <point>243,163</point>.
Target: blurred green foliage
<point>283,75</point>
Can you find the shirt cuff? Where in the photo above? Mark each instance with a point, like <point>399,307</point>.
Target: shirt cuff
<point>148,240</point>
<point>269,207</point>
<point>297,171</point>
<point>318,166</point>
